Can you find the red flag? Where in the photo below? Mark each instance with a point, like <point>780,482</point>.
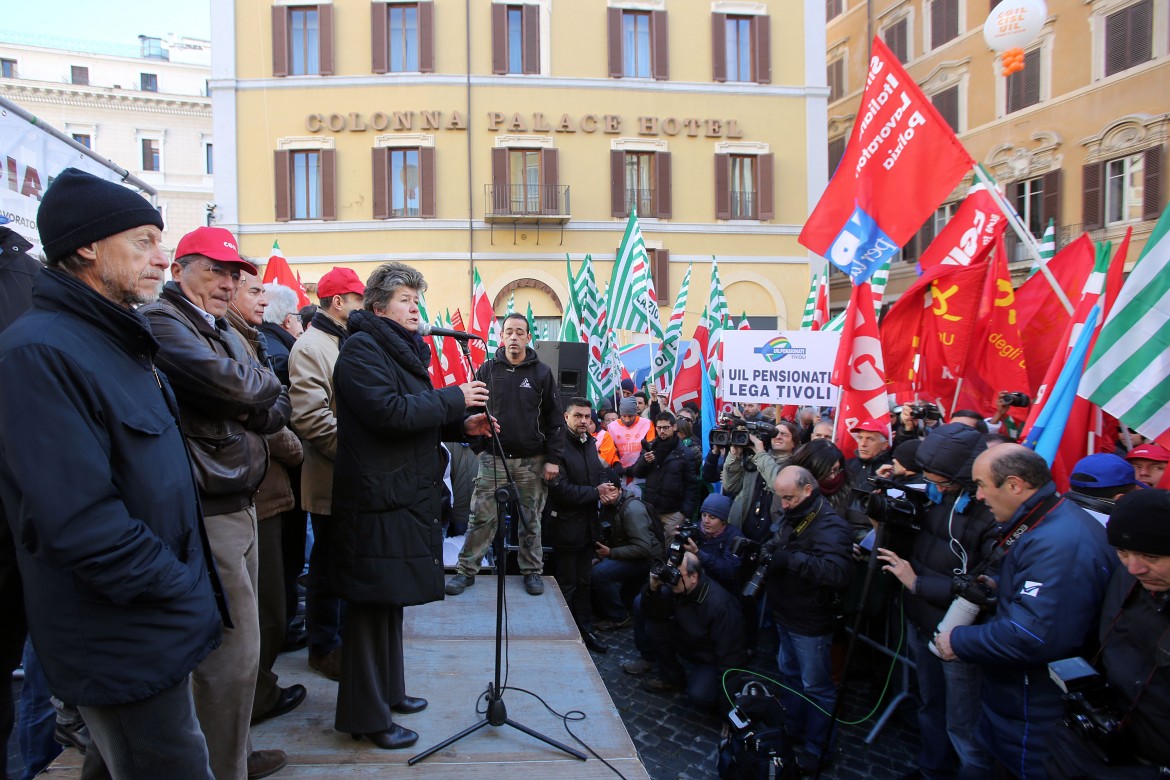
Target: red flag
<point>482,317</point>
<point>1043,318</point>
<point>996,359</point>
<point>901,162</point>
<point>821,309</point>
<point>687,385</point>
<point>435,367</point>
<point>859,370</point>
<point>277,270</point>
<point>975,225</point>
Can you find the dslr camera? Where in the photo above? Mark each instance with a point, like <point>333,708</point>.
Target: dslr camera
<point>736,432</point>
<point>890,502</point>
<point>971,597</point>
<point>1088,710</point>
<point>752,553</point>
<point>667,571</point>
<point>1015,399</point>
<point>925,411</point>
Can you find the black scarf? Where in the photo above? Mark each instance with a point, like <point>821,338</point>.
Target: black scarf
<point>413,340</point>
<point>323,321</point>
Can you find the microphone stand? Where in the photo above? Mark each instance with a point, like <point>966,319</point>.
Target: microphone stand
<point>508,510</point>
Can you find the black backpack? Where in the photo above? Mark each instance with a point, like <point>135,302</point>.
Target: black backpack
<point>755,744</point>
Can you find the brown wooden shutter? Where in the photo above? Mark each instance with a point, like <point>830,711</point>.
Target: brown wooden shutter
<point>662,199</point>
<point>1152,195</point>
<point>531,26</point>
<point>614,23</point>
<point>617,183</point>
<point>1091,205</point>
<point>426,181</point>
<point>1050,186</point>
<point>660,42</point>
<point>379,45</point>
<point>762,48</point>
<point>325,38</point>
<point>550,177</point>
<point>499,38</point>
<point>381,180</point>
<point>723,186</point>
<point>279,40</point>
<point>328,184</point>
<point>662,276</point>
<point>426,37</point>
<point>925,236</point>
<point>765,182</point>
<point>719,47</point>
<point>500,180</point>
<point>283,185</point>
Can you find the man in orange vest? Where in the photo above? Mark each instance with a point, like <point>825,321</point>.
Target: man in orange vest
<point>628,432</point>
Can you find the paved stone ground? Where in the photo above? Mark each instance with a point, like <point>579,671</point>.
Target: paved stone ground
<point>676,742</point>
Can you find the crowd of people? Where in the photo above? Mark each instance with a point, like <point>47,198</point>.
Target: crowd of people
<point>162,447</point>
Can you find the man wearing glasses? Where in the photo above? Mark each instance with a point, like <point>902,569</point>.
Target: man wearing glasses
<point>957,534</point>
<point>228,403</point>
<point>670,470</point>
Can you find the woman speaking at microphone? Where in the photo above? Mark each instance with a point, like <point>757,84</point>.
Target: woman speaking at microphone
<point>387,496</point>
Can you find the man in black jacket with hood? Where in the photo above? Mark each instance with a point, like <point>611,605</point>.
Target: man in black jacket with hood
<point>570,515</point>
<point>957,534</point>
<point>671,470</point>
<point>525,404</point>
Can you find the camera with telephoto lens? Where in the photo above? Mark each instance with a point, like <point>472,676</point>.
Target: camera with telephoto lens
<point>905,508</point>
<point>1088,710</point>
<point>736,432</point>
<point>925,411</point>
<point>752,553</point>
<point>1015,399</point>
<point>971,596</point>
<point>668,571</point>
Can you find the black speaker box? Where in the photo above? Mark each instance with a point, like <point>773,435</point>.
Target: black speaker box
<point>569,361</point>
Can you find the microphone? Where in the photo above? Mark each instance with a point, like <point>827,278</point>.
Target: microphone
<point>427,329</point>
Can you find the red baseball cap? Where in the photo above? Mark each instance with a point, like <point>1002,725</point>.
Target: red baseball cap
<point>340,281</point>
<point>873,426</point>
<point>1149,451</point>
<point>214,242</point>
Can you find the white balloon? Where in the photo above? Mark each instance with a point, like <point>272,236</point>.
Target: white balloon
<point>1014,23</point>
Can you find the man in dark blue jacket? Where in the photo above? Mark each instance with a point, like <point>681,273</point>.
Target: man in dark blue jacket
<point>1055,568</point>
<point>98,491</point>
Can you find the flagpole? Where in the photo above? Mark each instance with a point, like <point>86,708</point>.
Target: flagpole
<point>1024,235</point>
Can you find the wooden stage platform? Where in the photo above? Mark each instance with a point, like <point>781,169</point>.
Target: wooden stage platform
<point>449,647</point>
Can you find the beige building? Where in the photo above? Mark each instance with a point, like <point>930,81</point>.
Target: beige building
<point>356,132</point>
<point>1079,136</point>
<point>144,107</point>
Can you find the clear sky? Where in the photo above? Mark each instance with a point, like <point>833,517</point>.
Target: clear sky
<point>107,21</point>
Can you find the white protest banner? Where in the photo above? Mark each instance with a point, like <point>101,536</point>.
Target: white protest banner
<point>779,367</point>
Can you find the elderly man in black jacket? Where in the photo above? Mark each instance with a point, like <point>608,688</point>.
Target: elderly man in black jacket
<point>570,515</point>
<point>229,404</point>
<point>957,535</point>
<point>696,620</point>
<point>670,469</point>
<point>810,566</point>
<point>120,604</point>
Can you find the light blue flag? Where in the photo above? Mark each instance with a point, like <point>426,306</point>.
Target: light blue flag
<point>1048,429</point>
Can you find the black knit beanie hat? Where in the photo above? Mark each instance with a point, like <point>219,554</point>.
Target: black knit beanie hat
<point>80,208</point>
<point>1141,522</point>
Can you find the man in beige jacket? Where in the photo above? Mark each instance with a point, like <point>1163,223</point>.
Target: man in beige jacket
<point>310,370</point>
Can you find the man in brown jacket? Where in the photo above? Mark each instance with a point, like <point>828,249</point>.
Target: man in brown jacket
<point>275,496</point>
<point>310,370</point>
<point>228,403</point>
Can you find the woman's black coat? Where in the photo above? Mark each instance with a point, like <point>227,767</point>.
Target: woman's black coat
<point>387,479</point>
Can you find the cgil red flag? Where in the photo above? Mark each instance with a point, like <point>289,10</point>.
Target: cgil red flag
<point>901,162</point>
<point>859,370</point>
<point>277,270</point>
<point>975,226</point>
<point>688,384</point>
<point>1043,318</point>
<point>482,317</point>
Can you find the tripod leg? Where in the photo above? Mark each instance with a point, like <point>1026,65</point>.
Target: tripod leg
<point>448,741</point>
<point>546,740</point>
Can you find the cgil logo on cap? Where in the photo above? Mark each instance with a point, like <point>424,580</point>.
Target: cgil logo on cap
<point>230,246</point>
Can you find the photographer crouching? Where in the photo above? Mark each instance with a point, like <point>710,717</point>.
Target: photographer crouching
<point>957,534</point>
<point>1121,730</point>
<point>691,617</point>
<point>808,564</point>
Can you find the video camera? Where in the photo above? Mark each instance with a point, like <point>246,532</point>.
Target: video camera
<point>905,510</point>
<point>667,571</point>
<point>752,553</point>
<point>736,432</point>
<point>925,411</point>
<point>1087,708</point>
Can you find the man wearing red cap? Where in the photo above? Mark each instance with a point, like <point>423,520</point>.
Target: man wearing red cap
<point>1149,461</point>
<point>314,418</point>
<point>228,402</point>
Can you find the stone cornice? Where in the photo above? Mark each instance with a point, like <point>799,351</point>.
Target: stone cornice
<point>100,97</point>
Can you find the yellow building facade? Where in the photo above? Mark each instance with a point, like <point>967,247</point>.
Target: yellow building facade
<point>501,136</point>
<point>1079,136</point>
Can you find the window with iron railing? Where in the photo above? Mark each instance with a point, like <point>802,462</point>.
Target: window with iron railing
<point>743,186</point>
